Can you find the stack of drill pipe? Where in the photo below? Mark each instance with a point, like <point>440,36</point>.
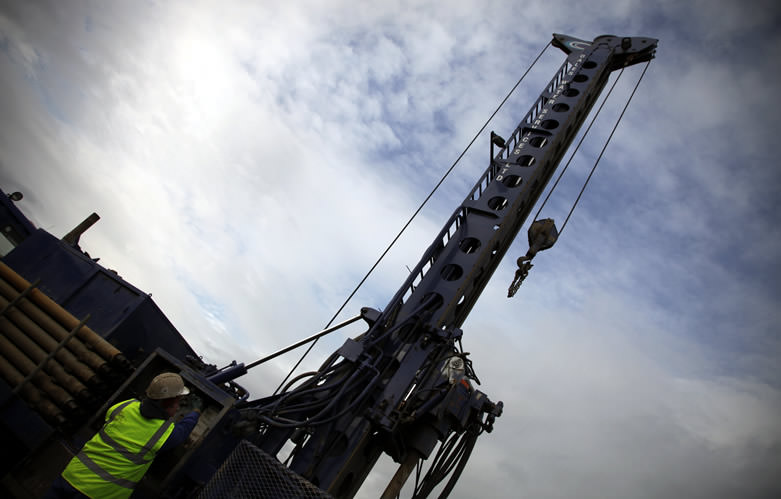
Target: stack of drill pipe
<point>31,394</point>
<point>53,328</point>
<point>38,300</point>
<point>33,326</point>
<point>38,355</point>
<point>25,366</point>
<point>48,342</point>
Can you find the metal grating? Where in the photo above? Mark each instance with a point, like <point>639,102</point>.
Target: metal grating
<point>251,473</point>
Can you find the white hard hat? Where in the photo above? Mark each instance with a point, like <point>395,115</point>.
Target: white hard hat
<point>166,385</point>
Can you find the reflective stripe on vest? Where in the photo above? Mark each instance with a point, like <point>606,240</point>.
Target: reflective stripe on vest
<point>105,466</point>
<point>105,475</point>
<point>137,458</point>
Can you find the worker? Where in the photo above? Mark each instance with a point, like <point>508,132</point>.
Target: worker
<point>117,457</point>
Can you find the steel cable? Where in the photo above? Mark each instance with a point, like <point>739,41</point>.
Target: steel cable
<point>605,146</point>
<point>577,147</point>
<point>417,211</point>
<point>602,152</point>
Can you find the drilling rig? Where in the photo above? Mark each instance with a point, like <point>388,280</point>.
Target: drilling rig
<point>405,387</point>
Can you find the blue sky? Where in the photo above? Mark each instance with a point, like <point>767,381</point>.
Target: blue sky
<point>250,162</point>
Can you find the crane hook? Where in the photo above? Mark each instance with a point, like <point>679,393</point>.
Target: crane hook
<point>542,235</point>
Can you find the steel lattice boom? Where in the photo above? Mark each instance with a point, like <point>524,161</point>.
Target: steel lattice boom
<point>404,386</point>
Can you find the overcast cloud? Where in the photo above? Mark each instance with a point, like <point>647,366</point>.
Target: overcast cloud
<point>250,161</point>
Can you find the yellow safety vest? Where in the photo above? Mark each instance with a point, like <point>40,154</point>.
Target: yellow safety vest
<point>116,458</point>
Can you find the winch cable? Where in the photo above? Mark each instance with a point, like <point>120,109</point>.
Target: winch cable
<point>602,152</point>
<point>605,146</point>
<point>415,214</point>
<point>577,147</point>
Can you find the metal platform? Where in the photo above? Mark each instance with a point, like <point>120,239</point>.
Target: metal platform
<point>251,473</point>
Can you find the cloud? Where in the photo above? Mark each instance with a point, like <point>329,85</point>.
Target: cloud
<point>249,164</point>
<point>636,407</point>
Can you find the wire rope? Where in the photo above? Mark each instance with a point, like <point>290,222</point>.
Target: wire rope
<point>602,152</point>
<point>605,146</point>
<point>417,211</point>
<point>582,138</point>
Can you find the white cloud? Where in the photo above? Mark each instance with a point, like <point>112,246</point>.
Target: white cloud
<point>249,164</point>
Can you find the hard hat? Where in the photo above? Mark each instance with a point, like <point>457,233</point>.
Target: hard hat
<point>166,385</point>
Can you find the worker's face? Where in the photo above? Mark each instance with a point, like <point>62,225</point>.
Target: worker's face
<point>171,409</point>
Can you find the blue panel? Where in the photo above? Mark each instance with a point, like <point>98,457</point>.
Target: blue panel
<point>120,312</point>
<point>146,329</point>
<point>21,429</point>
<point>61,268</point>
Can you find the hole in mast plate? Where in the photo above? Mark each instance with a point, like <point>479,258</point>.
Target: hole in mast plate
<point>469,245</point>
<point>436,300</point>
<point>512,181</point>
<point>497,203</point>
<point>451,272</point>
<point>526,160</point>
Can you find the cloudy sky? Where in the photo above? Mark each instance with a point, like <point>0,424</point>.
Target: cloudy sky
<point>250,161</point>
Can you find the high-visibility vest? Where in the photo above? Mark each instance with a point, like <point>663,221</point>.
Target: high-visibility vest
<point>116,458</point>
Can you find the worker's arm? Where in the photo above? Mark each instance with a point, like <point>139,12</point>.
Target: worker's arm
<point>181,431</point>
